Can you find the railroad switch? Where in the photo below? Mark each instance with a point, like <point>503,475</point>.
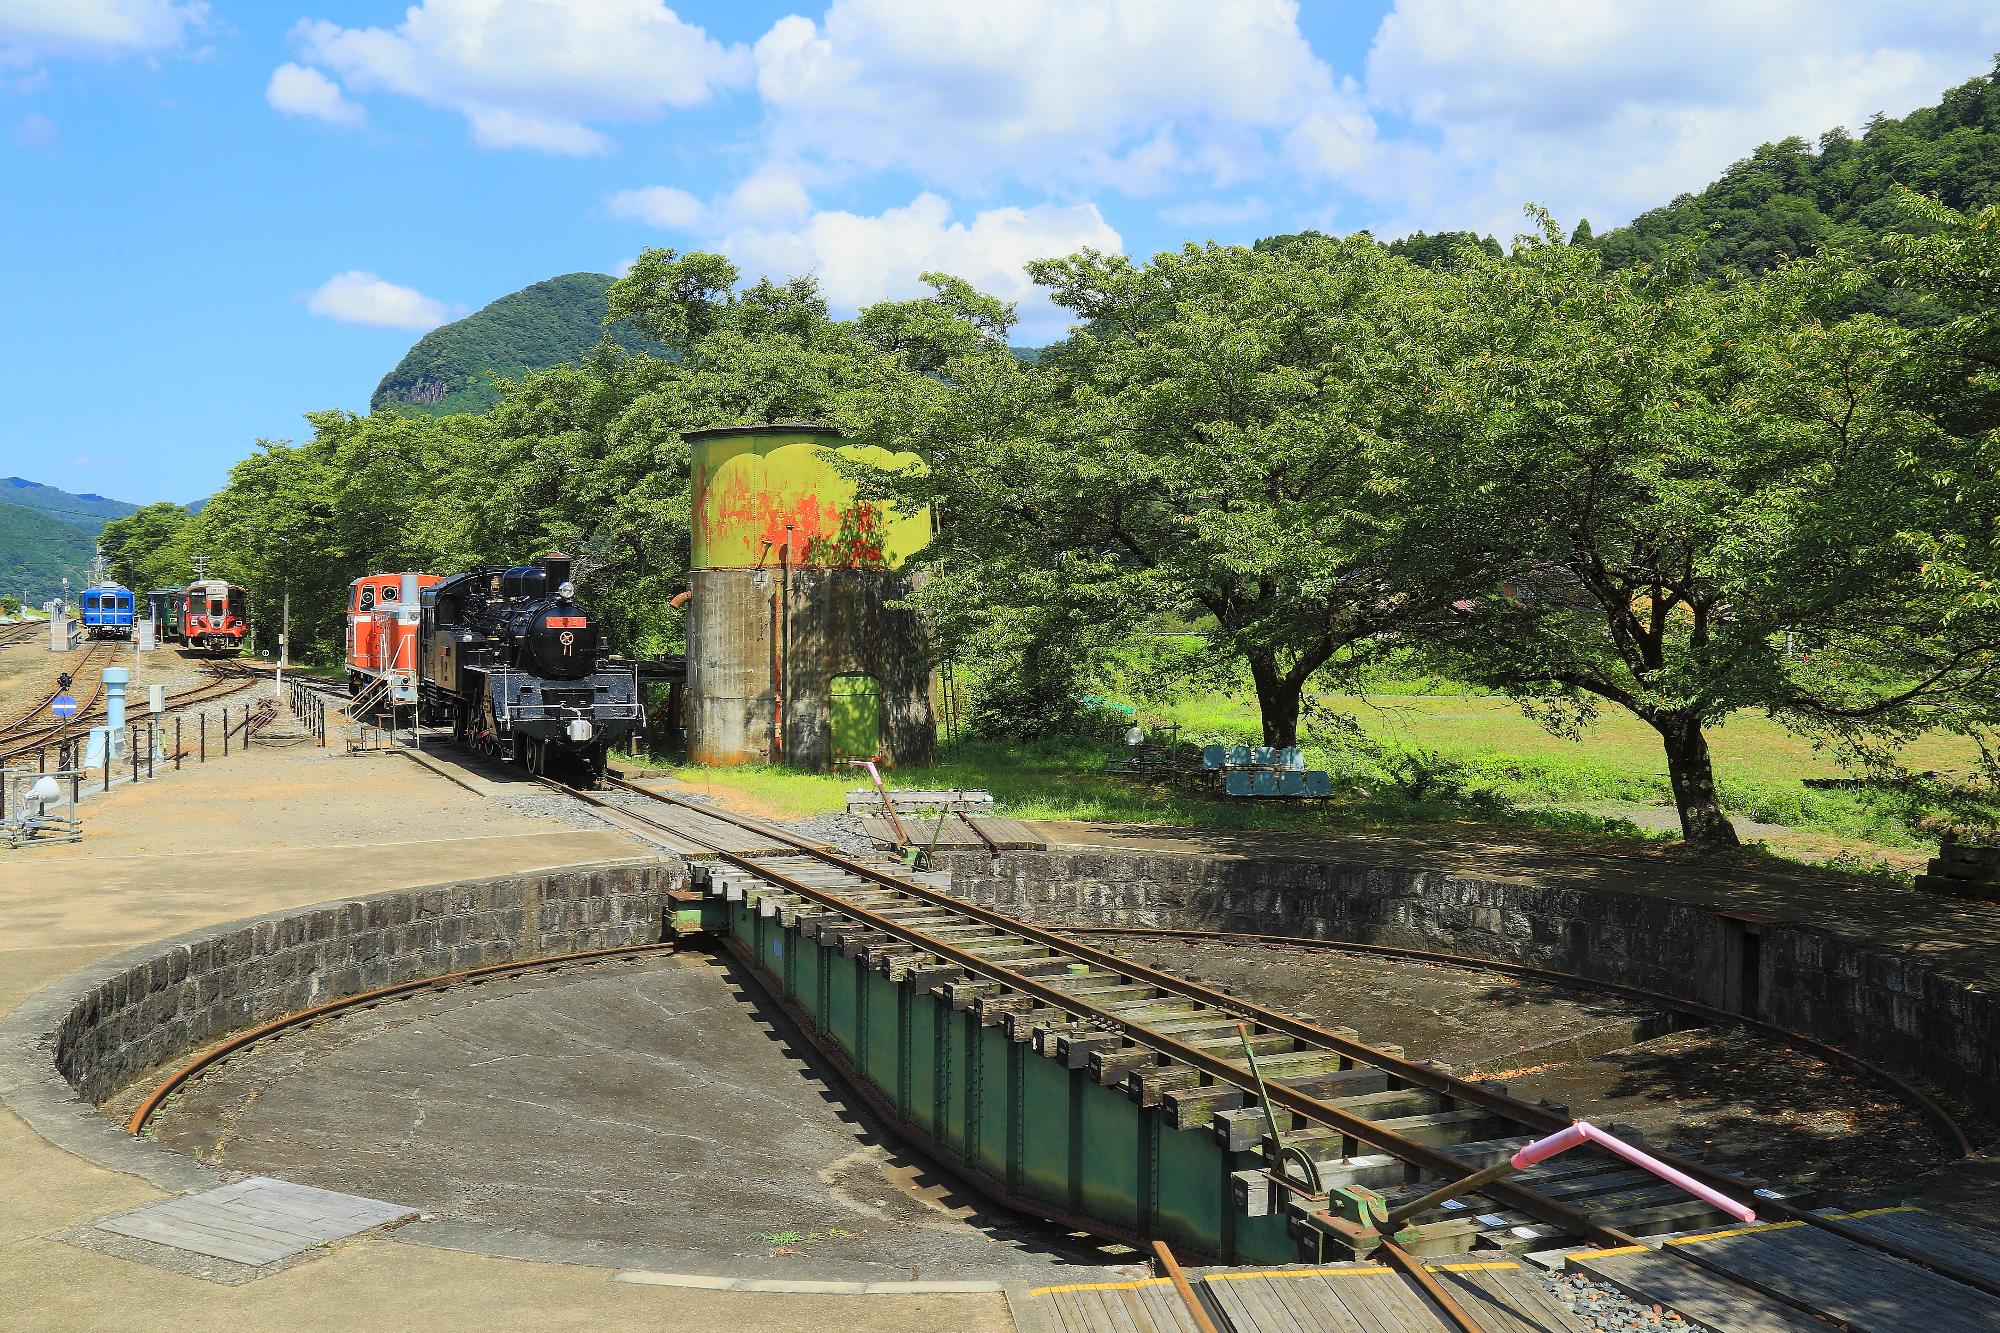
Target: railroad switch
<point>1356,1220</point>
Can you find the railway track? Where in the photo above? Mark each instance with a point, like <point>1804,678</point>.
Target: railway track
<point>22,738</point>
<point>21,633</point>
<point>98,654</point>
<point>1359,1114</point>
<point>1165,1039</point>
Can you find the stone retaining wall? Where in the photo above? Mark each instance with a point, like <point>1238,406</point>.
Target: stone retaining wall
<point>164,1000</point>
<point>1888,1007</point>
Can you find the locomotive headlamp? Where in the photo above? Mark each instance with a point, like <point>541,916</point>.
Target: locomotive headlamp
<point>566,592</point>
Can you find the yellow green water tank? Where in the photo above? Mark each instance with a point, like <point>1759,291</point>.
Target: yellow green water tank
<point>765,495</point>
<point>797,650</point>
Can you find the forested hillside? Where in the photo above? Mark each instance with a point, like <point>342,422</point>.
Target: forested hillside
<point>1793,198</point>
<point>37,552</point>
<point>551,323</point>
<point>48,534</point>
<point>87,511</point>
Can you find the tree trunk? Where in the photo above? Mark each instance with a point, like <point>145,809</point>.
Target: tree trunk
<point>1277,701</point>
<point>1692,773</point>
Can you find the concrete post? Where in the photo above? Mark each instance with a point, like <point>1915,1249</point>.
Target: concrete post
<point>116,681</point>
<point>107,741</point>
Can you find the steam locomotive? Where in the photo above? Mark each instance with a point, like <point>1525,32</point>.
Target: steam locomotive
<point>516,667</point>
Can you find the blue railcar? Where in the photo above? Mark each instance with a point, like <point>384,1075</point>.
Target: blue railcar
<point>107,612</point>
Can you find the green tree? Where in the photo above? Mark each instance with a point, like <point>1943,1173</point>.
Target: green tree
<point>1674,483</point>
<point>1444,249</point>
<point>148,548</point>
<point>1221,442</point>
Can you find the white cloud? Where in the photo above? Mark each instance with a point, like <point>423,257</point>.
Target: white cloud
<point>357,297</point>
<point>1604,110</point>
<point>1053,92</point>
<point>298,90</point>
<point>771,195</point>
<point>34,30</point>
<point>533,73</point>
<point>863,259</point>
<point>657,206</point>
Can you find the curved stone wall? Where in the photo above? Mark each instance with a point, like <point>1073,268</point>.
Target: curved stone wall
<point>1894,1008</point>
<point>82,1038</point>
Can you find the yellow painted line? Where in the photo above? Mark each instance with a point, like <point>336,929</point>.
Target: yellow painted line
<point>1360,1270</point>
<point>1877,1212</point>
<point>1470,1268</point>
<point>1739,1231</point>
<point>1604,1254</point>
<point>1102,1286</point>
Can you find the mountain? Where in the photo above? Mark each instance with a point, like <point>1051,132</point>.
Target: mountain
<point>87,511</point>
<point>38,551</point>
<point>549,323</point>
<point>1793,198</point>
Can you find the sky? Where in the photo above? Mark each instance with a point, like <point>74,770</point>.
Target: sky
<point>217,215</point>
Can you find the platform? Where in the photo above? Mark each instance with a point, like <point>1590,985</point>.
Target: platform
<point>263,831</point>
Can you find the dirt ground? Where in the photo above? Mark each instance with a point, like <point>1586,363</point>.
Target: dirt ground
<point>1726,1094</point>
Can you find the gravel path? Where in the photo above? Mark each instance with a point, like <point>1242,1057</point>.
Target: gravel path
<point>1606,1308</point>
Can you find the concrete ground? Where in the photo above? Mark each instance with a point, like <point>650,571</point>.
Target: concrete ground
<point>713,1135</point>
<point>266,830</point>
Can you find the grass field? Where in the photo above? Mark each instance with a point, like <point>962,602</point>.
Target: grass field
<point>1431,751</point>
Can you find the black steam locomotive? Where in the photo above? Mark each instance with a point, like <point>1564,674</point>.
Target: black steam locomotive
<point>516,668</point>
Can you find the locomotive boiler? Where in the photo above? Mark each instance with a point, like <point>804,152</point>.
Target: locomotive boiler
<point>517,667</point>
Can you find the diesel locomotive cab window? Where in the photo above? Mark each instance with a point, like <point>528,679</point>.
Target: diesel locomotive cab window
<point>388,592</point>
<point>368,598</point>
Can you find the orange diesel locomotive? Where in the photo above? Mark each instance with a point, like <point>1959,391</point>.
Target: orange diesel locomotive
<point>382,614</point>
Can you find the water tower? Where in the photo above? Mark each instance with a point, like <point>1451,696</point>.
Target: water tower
<point>795,655</point>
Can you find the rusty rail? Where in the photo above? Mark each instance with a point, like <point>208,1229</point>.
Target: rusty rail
<point>1171,1269</point>
<point>158,1096</point>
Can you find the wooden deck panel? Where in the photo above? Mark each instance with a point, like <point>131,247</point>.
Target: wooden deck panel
<point>1662,1277</point>
<point>1509,1300</point>
<point>1868,1291</point>
<point>1965,1246</point>
<point>1146,1306</point>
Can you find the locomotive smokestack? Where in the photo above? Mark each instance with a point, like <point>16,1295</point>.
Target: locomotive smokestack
<point>555,568</point>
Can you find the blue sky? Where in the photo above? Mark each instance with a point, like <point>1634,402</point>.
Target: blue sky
<point>217,216</point>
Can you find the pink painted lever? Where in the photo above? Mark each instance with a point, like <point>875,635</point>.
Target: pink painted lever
<point>1585,1132</point>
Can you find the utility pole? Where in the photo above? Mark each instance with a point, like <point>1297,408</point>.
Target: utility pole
<point>285,616</point>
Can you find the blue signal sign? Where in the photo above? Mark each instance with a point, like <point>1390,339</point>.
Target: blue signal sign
<point>63,706</point>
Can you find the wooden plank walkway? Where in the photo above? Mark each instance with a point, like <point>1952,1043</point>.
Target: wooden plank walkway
<point>1763,1279</point>
<point>1964,1246</point>
<point>1147,1305</point>
<point>1664,1278</point>
<point>1342,1298</point>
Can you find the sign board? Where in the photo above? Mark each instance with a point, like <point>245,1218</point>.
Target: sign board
<point>63,706</point>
